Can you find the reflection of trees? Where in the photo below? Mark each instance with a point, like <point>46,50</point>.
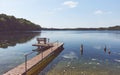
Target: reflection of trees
<point>12,38</point>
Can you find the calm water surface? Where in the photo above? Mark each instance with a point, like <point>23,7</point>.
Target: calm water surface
<point>93,61</point>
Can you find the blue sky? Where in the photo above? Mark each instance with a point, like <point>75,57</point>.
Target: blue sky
<point>65,13</point>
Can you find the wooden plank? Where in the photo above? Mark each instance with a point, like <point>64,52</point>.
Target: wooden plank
<point>20,70</point>
<point>41,44</point>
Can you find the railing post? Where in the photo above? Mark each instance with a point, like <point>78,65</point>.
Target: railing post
<point>26,55</point>
<point>26,64</point>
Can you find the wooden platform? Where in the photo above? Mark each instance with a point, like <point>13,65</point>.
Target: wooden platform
<point>45,45</point>
<point>20,70</point>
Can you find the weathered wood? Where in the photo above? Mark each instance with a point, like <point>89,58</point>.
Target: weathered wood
<point>43,40</point>
<point>20,70</point>
<point>44,45</point>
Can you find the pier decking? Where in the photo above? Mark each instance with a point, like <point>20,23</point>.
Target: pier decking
<point>45,45</point>
<point>21,70</point>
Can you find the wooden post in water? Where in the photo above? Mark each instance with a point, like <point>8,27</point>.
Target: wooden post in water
<point>105,48</point>
<point>109,52</point>
<point>81,49</point>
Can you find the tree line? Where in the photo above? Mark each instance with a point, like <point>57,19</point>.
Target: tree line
<point>11,23</point>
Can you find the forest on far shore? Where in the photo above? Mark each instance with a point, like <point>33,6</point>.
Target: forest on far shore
<point>117,27</point>
<point>11,23</point>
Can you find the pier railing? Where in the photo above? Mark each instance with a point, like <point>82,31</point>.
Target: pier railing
<point>26,56</point>
<point>30,66</point>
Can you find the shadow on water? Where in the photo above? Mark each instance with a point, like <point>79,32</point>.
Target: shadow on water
<point>12,38</point>
<point>37,70</point>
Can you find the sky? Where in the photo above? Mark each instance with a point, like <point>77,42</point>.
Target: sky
<point>65,13</point>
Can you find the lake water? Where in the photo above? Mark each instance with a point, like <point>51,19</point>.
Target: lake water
<point>94,60</point>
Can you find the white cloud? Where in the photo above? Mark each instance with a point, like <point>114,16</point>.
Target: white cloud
<point>70,4</point>
<point>100,12</point>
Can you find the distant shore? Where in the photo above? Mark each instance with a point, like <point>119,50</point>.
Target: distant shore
<point>101,28</point>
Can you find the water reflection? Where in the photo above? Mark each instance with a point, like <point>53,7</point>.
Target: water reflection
<point>45,62</point>
<point>12,38</point>
<point>94,60</point>
<point>70,56</point>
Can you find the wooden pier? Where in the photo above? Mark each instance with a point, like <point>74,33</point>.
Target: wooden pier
<point>33,63</point>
